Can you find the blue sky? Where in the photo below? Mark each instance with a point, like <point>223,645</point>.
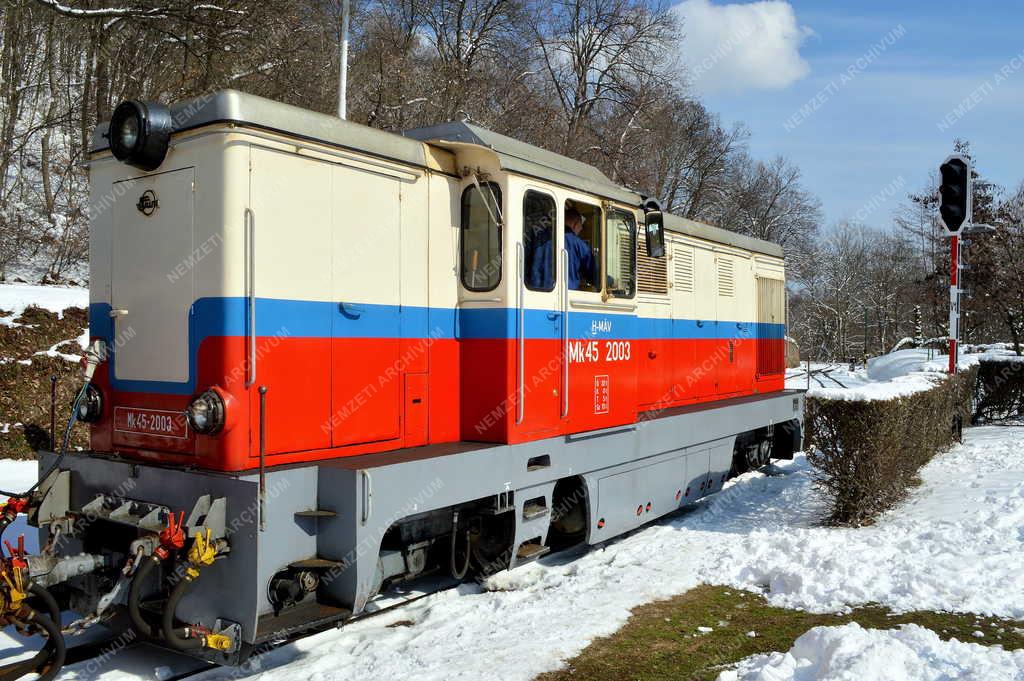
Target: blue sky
<point>872,130</point>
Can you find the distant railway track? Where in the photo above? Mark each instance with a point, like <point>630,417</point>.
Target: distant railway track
<point>818,374</point>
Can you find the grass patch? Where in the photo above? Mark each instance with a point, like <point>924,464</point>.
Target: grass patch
<point>662,642</point>
<point>25,388</point>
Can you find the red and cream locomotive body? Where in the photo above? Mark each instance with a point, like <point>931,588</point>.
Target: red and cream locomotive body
<point>351,357</point>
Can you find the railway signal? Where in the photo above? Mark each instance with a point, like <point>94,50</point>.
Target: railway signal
<point>955,207</point>
<point>955,193</point>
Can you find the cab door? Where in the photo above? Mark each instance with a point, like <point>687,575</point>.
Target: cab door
<point>602,354</point>
<point>539,318</point>
<point>151,294</point>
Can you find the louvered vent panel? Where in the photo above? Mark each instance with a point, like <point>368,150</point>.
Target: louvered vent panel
<point>726,277</point>
<point>652,273</point>
<point>682,258</point>
<point>771,304</point>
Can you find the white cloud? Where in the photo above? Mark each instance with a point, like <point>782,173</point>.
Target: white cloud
<point>741,46</point>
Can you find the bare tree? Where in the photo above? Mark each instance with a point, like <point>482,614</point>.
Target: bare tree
<point>590,78</point>
<point>768,201</point>
<point>601,56</point>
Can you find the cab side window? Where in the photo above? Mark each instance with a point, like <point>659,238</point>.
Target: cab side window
<point>620,255</point>
<point>539,219</point>
<point>583,245</point>
<point>480,241</point>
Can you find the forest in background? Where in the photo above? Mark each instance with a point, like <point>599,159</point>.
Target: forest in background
<point>597,80</point>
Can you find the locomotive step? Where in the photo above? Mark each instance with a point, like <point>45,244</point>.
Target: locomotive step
<point>315,513</point>
<point>534,509</point>
<point>315,564</point>
<point>531,551</point>
<point>297,619</point>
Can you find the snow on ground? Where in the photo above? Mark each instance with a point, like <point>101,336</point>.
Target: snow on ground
<point>947,548</point>
<point>897,374</point>
<point>55,350</point>
<point>957,544</point>
<point>17,476</point>
<point>852,653</point>
<point>16,297</point>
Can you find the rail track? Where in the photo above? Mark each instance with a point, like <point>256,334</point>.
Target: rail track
<point>111,647</point>
<point>817,375</point>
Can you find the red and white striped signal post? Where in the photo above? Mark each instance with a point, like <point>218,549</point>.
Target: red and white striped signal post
<point>955,211</point>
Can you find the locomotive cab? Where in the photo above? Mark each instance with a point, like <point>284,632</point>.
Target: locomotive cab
<point>548,314</point>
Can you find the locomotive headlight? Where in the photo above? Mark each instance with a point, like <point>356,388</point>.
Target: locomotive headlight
<point>206,413</point>
<point>91,405</point>
<point>140,133</point>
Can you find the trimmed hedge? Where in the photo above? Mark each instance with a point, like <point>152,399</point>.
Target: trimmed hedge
<point>866,454</point>
<point>1000,394</point>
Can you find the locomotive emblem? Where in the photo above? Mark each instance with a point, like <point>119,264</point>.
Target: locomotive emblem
<point>148,203</point>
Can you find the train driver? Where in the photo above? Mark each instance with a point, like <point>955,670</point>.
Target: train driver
<point>581,257</point>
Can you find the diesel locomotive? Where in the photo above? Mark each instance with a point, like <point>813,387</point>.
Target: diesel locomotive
<point>326,359</point>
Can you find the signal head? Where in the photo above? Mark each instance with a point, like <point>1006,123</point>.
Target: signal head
<point>955,193</point>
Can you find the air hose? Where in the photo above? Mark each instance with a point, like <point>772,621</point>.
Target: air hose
<point>175,638</point>
<point>201,554</point>
<point>43,594</point>
<point>458,571</point>
<point>135,593</point>
<point>48,661</point>
<point>179,639</point>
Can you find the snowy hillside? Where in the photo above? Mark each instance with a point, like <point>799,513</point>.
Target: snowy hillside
<point>14,298</point>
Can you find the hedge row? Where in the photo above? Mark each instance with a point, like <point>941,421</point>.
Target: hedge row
<point>866,455</point>
<point>1000,394</point>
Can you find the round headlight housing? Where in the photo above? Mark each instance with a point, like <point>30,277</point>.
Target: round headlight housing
<point>140,133</point>
<point>90,408</point>
<point>206,413</point>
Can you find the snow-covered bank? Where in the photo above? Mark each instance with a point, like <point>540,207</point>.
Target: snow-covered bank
<point>852,653</point>
<point>897,374</point>
<point>957,544</point>
<point>947,548</point>
<point>17,476</point>
<point>16,297</point>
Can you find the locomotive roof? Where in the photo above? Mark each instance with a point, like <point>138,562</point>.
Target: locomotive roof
<point>674,223</point>
<point>525,159</point>
<point>232,106</point>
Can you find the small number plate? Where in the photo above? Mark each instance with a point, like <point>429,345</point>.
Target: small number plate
<point>151,422</point>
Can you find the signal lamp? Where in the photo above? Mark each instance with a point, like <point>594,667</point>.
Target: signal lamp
<point>91,406</point>
<point>140,133</point>
<point>206,413</point>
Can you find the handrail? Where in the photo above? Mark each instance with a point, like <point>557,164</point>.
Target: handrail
<point>521,333</point>
<point>593,305</point>
<point>565,333</point>
<point>250,231</point>
<point>263,458</point>
<point>367,487</point>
